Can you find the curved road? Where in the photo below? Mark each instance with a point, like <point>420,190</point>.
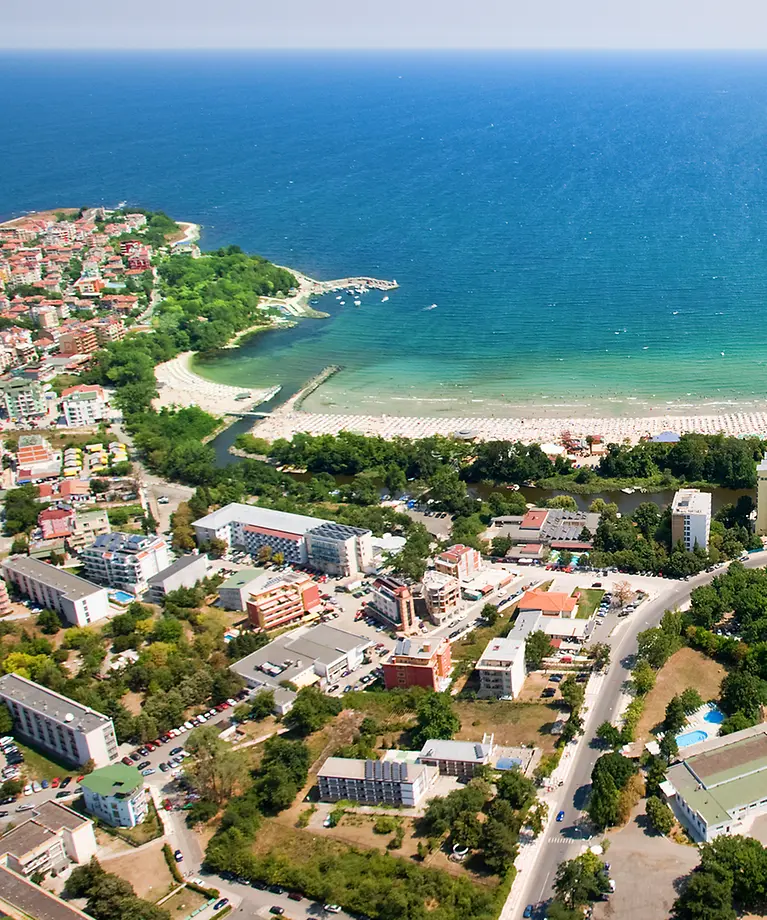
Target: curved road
<point>562,841</point>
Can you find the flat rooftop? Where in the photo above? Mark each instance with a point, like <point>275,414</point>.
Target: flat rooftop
<point>71,586</point>
<point>501,649</point>
<point>175,567</point>
<point>54,706</point>
<point>24,896</point>
<point>259,517</point>
<point>461,751</point>
<point>691,501</point>
<point>717,777</point>
<point>240,579</point>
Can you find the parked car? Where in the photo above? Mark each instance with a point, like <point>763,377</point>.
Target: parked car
<point>144,764</point>
<point>222,903</point>
<point>164,767</point>
<point>295,896</point>
<point>178,856</point>
<point>64,793</point>
<point>331,908</point>
<point>276,909</point>
<point>66,781</point>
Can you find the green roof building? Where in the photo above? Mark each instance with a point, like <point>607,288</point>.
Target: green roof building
<point>116,795</point>
<point>720,785</point>
<point>233,594</point>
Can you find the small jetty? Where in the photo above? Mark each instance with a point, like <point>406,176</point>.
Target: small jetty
<point>344,284</point>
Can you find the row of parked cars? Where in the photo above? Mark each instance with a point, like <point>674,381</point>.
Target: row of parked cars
<point>134,758</point>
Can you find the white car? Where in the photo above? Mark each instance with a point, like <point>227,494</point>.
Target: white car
<point>188,726</point>
<point>331,908</point>
<point>28,789</point>
<point>36,787</point>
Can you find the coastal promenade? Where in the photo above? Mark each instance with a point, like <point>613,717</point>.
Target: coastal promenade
<point>286,421</point>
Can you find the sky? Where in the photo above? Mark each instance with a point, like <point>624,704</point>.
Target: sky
<point>385,24</point>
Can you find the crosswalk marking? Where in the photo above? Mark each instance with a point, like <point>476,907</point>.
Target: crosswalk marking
<point>564,840</point>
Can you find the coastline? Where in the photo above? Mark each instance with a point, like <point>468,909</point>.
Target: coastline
<point>178,385</point>
<point>286,421</point>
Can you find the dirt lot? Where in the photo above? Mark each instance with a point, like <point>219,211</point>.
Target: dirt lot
<point>183,903</point>
<point>513,724</point>
<point>534,684</point>
<point>645,868</point>
<point>686,668</point>
<point>145,869</point>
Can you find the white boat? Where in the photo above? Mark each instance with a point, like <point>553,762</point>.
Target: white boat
<point>343,303</point>
<point>384,299</point>
<point>357,303</point>
<point>338,297</point>
<point>628,491</point>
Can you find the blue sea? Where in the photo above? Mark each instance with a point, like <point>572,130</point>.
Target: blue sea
<point>591,228</point>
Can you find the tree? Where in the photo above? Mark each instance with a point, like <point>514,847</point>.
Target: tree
<point>499,846</point>
<point>6,721</point>
<point>643,678</point>
<point>623,593</point>
<point>490,614</point>
<point>668,747</point>
<point>609,735</point>
<point>500,545</point>
<point>466,830</point>
<point>600,654</point>
<point>675,718</point>
<point>660,816</point>
<point>49,622</point>
<point>218,547</point>
<point>562,501</point>
<point>646,516</point>
<point>604,802</point>
<point>743,692</point>
<point>262,705</point>
<point>537,647</point>
<point>690,699</point>
<point>11,787</point>
<point>264,554</point>
<point>707,896</point>
<point>516,789</point>
<point>278,558</point>
<point>581,880</point>
<point>537,816</point>
<point>573,693</point>
<point>214,770</point>
<point>565,557</point>
<point>311,711</point>
<point>435,718</point>
<point>21,509</point>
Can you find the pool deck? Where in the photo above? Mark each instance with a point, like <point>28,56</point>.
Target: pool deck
<point>703,724</point>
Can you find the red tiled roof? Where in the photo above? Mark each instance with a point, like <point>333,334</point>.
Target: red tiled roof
<point>534,519</point>
<point>547,601</point>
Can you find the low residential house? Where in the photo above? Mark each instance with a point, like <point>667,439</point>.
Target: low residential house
<point>116,795</point>
<point>457,758</point>
<point>375,782</point>
<point>48,842</point>
<point>564,629</point>
<point>549,603</point>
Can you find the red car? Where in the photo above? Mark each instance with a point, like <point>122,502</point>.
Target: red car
<point>149,746</point>
<point>127,761</point>
<point>55,782</point>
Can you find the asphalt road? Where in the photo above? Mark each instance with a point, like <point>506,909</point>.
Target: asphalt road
<point>562,841</point>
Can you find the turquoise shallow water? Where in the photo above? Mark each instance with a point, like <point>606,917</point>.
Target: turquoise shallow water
<point>591,228</point>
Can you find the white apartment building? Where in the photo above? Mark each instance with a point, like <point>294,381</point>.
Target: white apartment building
<point>375,782</point>
<point>339,549</point>
<point>48,842</point>
<point>76,599</point>
<point>691,518</point>
<point>251,528</point>
<point>501,668</point>
<point>83,405</point>
<point>183,573</point>
<point>116,794</point>
<point>73,732</point>
<point>126,561</point>
<point>462,562</point>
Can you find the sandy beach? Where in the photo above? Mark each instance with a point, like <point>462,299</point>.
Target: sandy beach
<point>179,386</point>
<point>285,421</point>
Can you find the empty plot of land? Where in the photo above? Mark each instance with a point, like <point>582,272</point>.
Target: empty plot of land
<point>645,868</point>
<point>145,869</point>
<point>184,902</point>
<point>512,723</point>
<point>686,668</point>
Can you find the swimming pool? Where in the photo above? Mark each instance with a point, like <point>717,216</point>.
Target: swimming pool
<point>688,738</point>
<point>122,597</point>
<point>714,716</point>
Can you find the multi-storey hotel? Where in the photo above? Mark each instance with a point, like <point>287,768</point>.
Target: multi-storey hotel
<point>71,731</point>
<point>125,561</point>
<point>278,600</point>
<point>375,782</point>
<point>76,599</point>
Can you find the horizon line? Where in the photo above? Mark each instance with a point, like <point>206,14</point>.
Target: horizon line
<point>410,49</point>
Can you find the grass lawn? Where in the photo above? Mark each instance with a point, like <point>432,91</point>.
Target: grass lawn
<point>686,668</point>
<point>150,828</point>
<point>184,902</point>
<point>512,723</point>
<point>589,601</point>
<point>43,766</point>
<point>470,647</point>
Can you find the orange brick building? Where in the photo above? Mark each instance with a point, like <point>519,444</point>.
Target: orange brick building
<point>419,663</point>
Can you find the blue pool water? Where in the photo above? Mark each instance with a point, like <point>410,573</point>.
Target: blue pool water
<point>689,738</point>
<point>122,597</point>
<point>714,717</point>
